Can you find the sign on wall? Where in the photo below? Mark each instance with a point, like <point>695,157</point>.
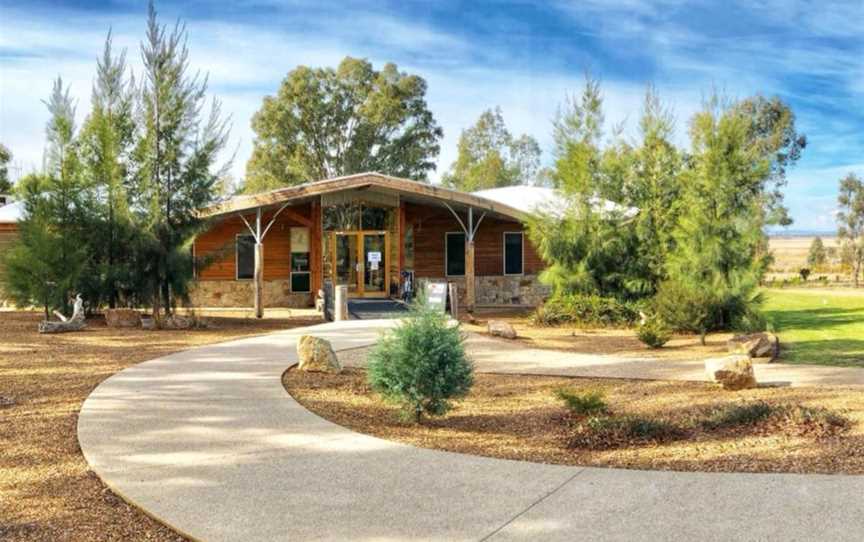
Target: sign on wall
<point>436,295</point>
<point>299,239</point>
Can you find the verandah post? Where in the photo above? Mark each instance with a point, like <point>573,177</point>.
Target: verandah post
<point>469,262</point>
<point>259,267</point>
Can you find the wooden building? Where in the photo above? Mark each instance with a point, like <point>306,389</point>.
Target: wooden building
<point>370,232</point>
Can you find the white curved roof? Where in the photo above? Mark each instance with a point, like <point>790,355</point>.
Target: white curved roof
<point>12,212</point>
<point>532,199</point>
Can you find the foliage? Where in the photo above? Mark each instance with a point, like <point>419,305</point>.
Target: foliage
<point>174,157</point>
<point>653,331</point>
<point>325,123</point>
<point>53,233</point>
<point>589,403</point>
<point>106,140</point>
<point>720,251</point>
<point>733,415</point>
<point>691,307</point>
<point>850,218</point>
<point>610,432</point>
<point>41,267</point>
<point>490,157</point>
<point>817,256</point>
<point>421,365</point>
<point>804,272</point>
<point>5,158</point>
<point>586,309</point>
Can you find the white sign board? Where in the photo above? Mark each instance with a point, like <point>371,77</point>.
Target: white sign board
<point>436,295</point>
<point>373,266</point>
<point>374,257</point>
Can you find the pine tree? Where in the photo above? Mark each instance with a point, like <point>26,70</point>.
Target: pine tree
<point>719,243</point>
<point>40,268</point>
<point>175,155</point>
<point>107,137</point>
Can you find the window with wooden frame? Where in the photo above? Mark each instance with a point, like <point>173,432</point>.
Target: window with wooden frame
<point>514,253</point>
<point>301,270</point>
<point>454,254</point>
<point>244,262</point>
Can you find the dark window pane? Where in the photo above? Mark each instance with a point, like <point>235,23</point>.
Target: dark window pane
<point>374,218</point>
<point>299,261</point>
<point>300,282</point>
<point>456,254</point>
<point>245,257</point>
<point>512,253</point>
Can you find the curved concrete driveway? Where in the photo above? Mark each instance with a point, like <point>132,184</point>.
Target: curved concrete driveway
<point>208,442</point>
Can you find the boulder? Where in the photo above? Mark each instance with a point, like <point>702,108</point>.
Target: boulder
<point>175,321</point>
<point>755,345</point>
<point>122,318</point>
<point>316,354</point>
<point>501,329</point>
<point>733,372</point>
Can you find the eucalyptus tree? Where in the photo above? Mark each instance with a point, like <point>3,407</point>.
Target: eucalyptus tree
<point>489,156</point>
<point>850,218</point>
<point>326,122</point>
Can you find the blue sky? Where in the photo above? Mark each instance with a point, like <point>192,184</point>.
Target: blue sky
<point>523,56</point>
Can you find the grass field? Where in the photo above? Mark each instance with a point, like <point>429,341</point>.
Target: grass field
<point>790,253</point>
<point>818,326</point>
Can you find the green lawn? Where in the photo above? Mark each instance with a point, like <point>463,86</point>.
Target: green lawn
<point>818,326</point>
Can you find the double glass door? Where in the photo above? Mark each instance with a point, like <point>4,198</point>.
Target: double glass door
<point>360,260</point>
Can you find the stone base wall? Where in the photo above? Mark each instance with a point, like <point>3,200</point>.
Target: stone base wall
<point>500,289</point>
<point>239,293</point>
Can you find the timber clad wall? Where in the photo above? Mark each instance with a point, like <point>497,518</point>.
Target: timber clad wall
<point>430,226</point>
<point>277,246</point>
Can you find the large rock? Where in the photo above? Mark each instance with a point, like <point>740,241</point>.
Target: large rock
<point>316,354</point>
<point>501,329</point>
<point>122,318</point>
<point>755,345</point>
<point>733,372</point>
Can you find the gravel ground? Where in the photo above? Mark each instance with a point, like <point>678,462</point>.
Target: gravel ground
<point>47,491</point>
<point>520,417</point>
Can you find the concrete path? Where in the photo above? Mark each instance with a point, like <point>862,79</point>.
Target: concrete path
<point>499,355</point>
<point>208,442</point>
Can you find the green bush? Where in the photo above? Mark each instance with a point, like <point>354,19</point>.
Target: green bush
<point>654,332</point>
<point>608,432</point>
<point>737,415</point>
<point>583,404</point>
<point>701,308</point>
<point>421,365</point>
<point>587,310</point>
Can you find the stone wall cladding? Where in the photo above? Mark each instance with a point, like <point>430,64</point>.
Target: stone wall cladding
<point>239,293</point>
<point>500,290</point>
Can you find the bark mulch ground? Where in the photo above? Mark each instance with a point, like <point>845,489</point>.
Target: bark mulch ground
<point>520,417</point>
<point>586,340</point>
<point>47,492</point>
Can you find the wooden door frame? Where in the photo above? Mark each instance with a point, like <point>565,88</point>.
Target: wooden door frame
<point>361,275</point>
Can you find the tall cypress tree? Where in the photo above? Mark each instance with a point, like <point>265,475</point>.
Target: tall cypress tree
<point>175,156</point>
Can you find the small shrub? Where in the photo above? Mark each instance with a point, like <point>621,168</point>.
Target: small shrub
<point>608,432</point>
<point>654,332</point>
<point>421,365</point>
<point>583,404</point>
<point>804,272</point>
<point>737,415</point>
<point>586,310</point>
<point>818,422</point>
